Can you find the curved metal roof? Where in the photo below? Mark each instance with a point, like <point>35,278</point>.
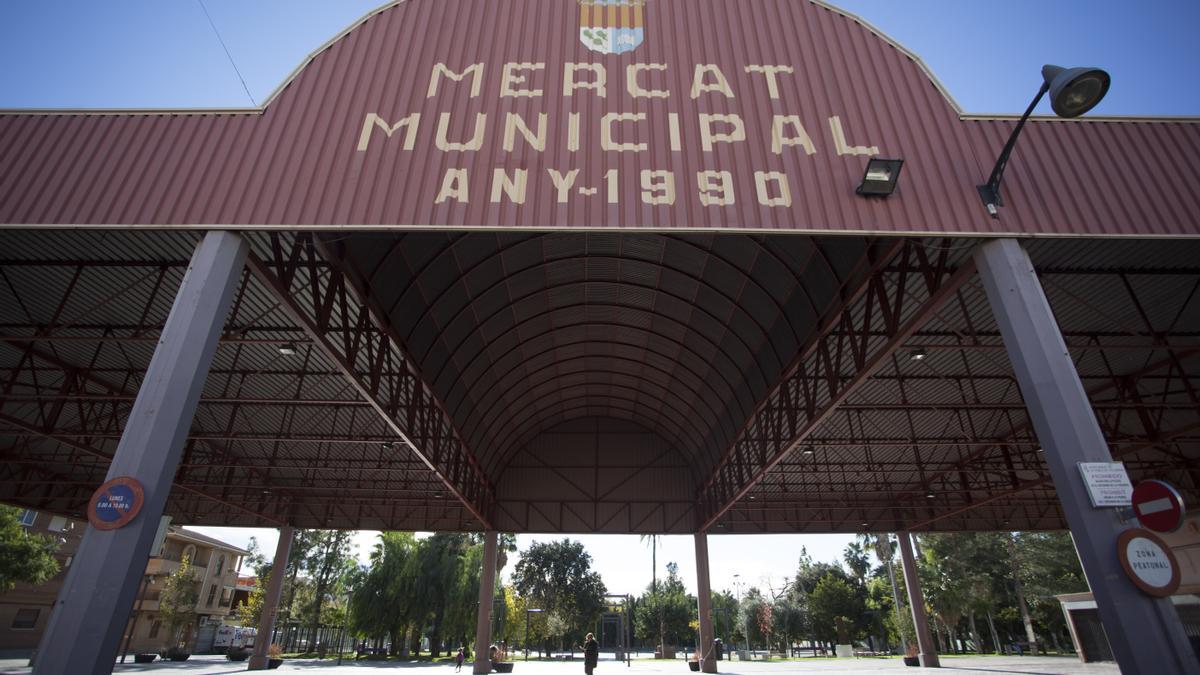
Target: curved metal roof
<point>596,433</point>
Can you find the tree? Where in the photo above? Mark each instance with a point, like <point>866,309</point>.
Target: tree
<point>885,551</point>
<point>790,620</point>
<point>1045,564</point>
<point>331,560</point>
<point>557,577</point>
<point>24,557</point>
<point>177,602</point>
<point>654,544</point>
<point>857,560</point>
<point>303,543</point>
<point>382,604</point>
<point>833,602</point>
<point>667,611</point>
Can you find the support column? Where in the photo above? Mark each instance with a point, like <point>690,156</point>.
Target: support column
<point>708,659</point>
<point>270,608</point>
<point>916,602</point>
<point>91,611</point>
<point>1145,633</point>
<point>487,586</point>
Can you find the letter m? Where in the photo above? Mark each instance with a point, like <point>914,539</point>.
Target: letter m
<point>475,70</point>
<point>372,121</point>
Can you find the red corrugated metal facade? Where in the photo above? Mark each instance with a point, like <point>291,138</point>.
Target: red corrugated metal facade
<point>297,163</point>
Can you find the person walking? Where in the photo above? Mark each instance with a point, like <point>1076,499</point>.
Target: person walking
<point>591,654</point>
<point>458,660</point>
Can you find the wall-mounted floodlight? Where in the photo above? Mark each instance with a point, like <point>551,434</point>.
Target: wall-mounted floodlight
<point>1073,92</point>
<point>880,177</point>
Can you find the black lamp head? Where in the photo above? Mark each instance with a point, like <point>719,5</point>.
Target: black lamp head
<point>1074,91</point>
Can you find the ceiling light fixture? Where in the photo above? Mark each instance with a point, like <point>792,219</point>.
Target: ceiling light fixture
<point>918,354</point>
<point>288,349</point>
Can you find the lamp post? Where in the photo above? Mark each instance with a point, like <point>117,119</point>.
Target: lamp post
<point>737,583</point>
<point>527,613</point>
<point>1073,92</point>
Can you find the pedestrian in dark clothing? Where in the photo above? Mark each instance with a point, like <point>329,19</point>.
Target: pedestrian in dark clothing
<point>591,654</point>
<point>458,659</point>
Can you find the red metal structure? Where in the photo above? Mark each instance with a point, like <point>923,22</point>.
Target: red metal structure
<point>549,280</point>
<point>763,382</point>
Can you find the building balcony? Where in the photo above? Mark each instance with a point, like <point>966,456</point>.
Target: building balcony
<point>166,566</point>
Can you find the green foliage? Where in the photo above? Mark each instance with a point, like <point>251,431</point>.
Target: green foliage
<point>666,613</point>
<point>24,557</point>
<point>383,600</point>
<point>1048,567</point>
<point>557,577</point>
<point>330,560</point>
<point>177,602</point>
<point>832,598</point>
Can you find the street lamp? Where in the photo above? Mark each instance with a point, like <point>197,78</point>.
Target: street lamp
<point>1073,92</point>
<point>527,613</point>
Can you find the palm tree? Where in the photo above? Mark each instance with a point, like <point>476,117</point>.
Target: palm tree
<point>882,544</point>
<point>662,625</point>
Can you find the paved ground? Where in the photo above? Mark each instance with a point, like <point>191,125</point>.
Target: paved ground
<point>1027,665</point>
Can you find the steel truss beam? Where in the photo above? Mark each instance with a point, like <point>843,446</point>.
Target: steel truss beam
<point>888,304</point>
<point>315,290</point>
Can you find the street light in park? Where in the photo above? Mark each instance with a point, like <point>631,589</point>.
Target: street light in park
<point>737,583</point>
<point>527,613</point>
<point>1073,92</point>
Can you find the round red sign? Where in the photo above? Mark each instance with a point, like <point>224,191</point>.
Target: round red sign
<point>115,503</point>
<point>1158,506</point>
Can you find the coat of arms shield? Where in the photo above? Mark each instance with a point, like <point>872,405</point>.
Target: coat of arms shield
<point>611,26</point>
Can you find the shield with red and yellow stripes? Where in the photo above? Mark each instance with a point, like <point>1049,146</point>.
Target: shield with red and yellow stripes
<point>611,26</point>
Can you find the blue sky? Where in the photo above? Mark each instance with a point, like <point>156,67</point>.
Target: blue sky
<point>164,53</point>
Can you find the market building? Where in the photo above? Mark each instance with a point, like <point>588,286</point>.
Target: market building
<point>663,267</point>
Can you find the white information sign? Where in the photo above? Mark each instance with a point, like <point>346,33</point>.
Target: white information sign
<point>1107,483</point>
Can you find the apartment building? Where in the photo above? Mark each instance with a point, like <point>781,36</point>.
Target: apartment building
<point>25,610</point>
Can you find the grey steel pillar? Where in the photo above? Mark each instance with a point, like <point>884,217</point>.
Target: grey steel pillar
<point>708,659</point>
<point>270,608</point>
<point>84,632</point>
<point>1145,633</point>
<point>916,602</point>
<point>487,583</point>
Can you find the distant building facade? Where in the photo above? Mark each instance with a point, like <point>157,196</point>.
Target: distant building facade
<point>25,610</point>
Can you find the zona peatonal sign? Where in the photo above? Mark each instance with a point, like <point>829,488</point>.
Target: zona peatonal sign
<point>1148,562</point>
<point>115,504</point>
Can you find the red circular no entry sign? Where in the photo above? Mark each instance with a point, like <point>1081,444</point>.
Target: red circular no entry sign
<point>1158,506</point>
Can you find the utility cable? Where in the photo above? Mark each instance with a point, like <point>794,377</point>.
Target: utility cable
<point>223,46</point>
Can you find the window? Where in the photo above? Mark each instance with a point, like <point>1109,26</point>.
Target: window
<point>220,564</point>
<point>27,517</point>
<point>226,596</point>
<point>212,595</point>
<point>154,627</point>
<point>25,619</point>
<point>190,553</point>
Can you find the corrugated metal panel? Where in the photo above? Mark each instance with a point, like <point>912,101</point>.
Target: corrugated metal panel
<point>295,164</point>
